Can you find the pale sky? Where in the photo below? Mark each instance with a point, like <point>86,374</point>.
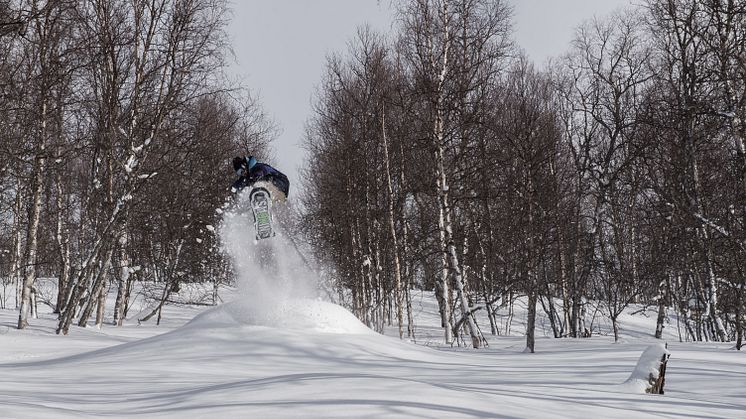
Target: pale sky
<point>281,48</point>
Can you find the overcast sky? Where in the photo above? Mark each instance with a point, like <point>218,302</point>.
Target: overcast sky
<point>281,48</point>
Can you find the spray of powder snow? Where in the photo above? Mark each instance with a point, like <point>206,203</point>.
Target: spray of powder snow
<point>276,287</point>
<point>270,274</point>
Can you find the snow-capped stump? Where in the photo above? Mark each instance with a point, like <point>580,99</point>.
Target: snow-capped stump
<point>649,375</point>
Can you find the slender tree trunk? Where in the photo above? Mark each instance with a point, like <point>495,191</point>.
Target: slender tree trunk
<point>15,267</point>
<point>740,320</point>
<point>398,294</point>
<point>33,306</point>
<point>63,245</point>
<point>662,307</point>
<point>487,298</point>
<point>438,137</point>
<point>443,285</point>
<point>380,291</point>
<point>711,288</point>
<point>408,278</point>
<point>32,235</point>
<point>566,304</point>
<point>168,284</point>
<point>78,288</point>
<point>215,288</point>
<point>531,321</point>
<point>122,278</point>
<point>615,326</point>
<point>99,284</point>
<point>101,305</point>
<point>128,293</point>
<point>164,297</point>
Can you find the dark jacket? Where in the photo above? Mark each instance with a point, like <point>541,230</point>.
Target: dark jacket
<point>265,172</point>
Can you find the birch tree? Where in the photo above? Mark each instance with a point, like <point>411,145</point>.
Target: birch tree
<point>168,48</point>
<point>46,66</point>
<point>684,83</point>
<point>430,41</point>
<point>531,134</point>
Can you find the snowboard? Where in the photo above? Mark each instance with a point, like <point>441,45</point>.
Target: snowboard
<point>261,206</point>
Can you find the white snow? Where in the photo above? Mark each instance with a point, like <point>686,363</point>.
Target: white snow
<point>277,350</point>
<point>308,358</point>
<point>648,366</point>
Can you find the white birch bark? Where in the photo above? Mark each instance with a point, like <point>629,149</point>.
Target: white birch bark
<point>531,282</point>
<point>511,312</point>
<point>63,243</point>
<point>15,267</point>
<point>32,235</point>
<point>405,251</point>
<point>100,283</point>
<point>448,246</point>
<point>398,295</point>
<point>150,22</point>
<point>440,178</point>
<point>122,279</point>
<point>662,313</point>
<point>101,305</point>
<point>711,300</point>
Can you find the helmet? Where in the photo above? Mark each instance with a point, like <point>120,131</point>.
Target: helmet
<point>238,162</point>
<point>239,165</point>
<point>243,164</point>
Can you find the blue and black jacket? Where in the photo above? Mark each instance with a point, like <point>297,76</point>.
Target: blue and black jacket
<point>265,172</point>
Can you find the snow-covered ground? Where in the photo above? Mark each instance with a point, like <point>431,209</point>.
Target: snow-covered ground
<point>286,355</point>
<point>307,358</point>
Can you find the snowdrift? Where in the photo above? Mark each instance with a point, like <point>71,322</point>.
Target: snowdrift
<point>293,315</point>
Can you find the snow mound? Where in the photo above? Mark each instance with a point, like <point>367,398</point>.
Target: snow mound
<point>647,369</point>
<point>292,314</point>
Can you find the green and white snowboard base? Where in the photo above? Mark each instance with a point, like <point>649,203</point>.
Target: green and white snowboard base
<point>261,206</point>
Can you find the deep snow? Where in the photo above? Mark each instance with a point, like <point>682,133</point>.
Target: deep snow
<point>278,351</point>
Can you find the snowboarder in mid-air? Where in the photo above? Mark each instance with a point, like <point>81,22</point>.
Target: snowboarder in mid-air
<point>267,186</point>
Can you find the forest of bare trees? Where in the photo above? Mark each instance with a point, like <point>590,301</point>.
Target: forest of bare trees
<point>441,158</point>
<point>117,125</point>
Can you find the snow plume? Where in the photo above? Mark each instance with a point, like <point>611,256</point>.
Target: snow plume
<point>269,272</point>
